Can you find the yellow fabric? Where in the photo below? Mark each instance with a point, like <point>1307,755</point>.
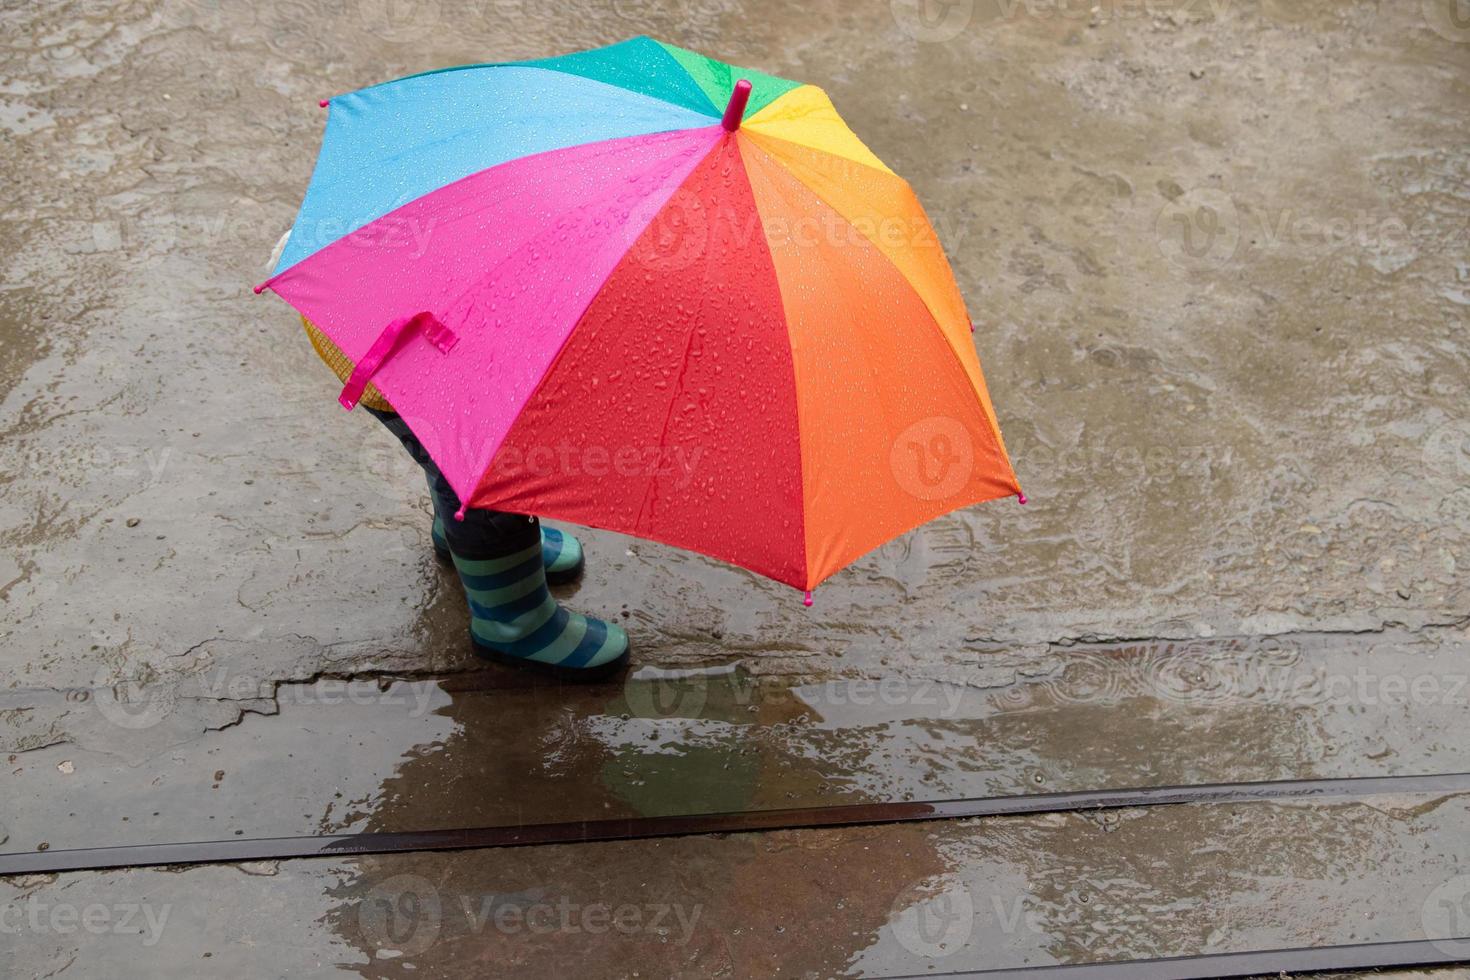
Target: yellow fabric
<point>342,366</point>
<point>806,115</point>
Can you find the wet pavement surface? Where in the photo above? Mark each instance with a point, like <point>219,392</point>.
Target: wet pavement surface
<point>867,901</point>
<point>1218,256</point>
<point>491,749</point>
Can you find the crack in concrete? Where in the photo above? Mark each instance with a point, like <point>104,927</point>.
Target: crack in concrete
<point>1101,639</point>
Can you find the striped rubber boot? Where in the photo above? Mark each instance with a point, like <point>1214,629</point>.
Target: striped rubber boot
<point>514,620</point>
<point>561,553</point>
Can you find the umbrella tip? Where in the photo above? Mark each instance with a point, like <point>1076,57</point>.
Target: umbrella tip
<point>735,111</point>
<point>323,103</point>
<point>1021,499</point>
<point>807,599</point>
<point>259,289</point>
<point>459,514</point>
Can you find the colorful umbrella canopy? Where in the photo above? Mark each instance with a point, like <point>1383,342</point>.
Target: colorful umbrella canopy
<point>639,289</point>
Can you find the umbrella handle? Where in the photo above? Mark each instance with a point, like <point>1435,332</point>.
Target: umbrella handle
<point>435,332</point>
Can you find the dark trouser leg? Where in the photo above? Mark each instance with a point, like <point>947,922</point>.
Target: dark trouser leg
<point>482,533</point>
<point>500,559</point>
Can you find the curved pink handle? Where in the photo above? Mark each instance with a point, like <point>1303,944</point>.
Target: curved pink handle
<point>437,334</point>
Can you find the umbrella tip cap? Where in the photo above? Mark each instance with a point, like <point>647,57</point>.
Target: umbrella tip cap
<point>735,110</point>
<point>1021,499</point>
<point>807,599</point>
<point>459,514</point>
<point>322,104</point>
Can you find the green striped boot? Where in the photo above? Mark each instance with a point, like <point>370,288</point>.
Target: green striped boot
<point>560,553</point>
<point>514,620</point>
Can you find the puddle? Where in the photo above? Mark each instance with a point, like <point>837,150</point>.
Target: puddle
<point>498,748</point>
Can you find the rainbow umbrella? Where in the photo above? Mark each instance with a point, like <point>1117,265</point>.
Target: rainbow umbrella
<point>639,289</point>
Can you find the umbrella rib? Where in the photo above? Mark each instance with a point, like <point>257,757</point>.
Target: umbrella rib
<point>806,560</point>
<point>663,49</point>
<point>724,75</point>
<point>476,283</point>
<point>591,298</point>
<point>846,304</point>
<point>675,387</point>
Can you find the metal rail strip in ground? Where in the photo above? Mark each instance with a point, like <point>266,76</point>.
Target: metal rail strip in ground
<point>1257,963</point>
<point>643,828</point>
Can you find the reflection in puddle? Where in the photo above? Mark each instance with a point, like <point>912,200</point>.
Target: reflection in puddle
<point>494,748</point>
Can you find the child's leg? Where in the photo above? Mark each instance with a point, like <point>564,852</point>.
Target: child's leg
<point>500,561</point>
<point>481,532</point>
<point>560,551</point>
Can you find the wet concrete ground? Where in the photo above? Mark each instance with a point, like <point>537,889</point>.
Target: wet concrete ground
<point>869,901</point>
<point>487,750</point>
<point>1218,255</point>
